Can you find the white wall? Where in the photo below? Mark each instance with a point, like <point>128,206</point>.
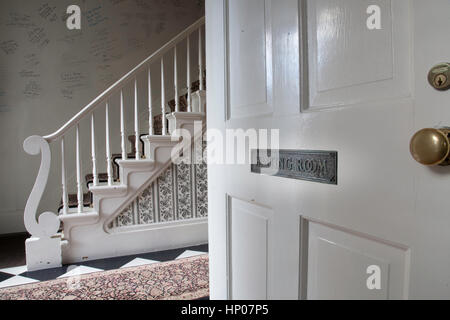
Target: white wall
<point>48,73</point>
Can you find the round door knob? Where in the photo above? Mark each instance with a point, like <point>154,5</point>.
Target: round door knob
<point>431,146</point>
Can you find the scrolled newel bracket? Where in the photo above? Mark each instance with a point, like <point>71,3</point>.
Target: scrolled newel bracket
<point>43,250</point>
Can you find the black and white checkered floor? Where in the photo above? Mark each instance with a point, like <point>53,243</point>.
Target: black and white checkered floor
<point>19,275</point>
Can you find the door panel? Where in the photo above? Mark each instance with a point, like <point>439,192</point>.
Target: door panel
<point>338,261</point>
<point>249,57</point>
<point>347,62</point>
<point>248,249</point>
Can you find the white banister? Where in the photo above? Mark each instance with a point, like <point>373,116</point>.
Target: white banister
<point>150,104</point>
<point>123,81</point>
<point>79,181</point>
<point>200,58</point>
<point>65,200</point>
<point>175,80</point>
<point>163,100</point>
<point>93,151</point>
<point>108,147</point>
<point>122,128</point>
<point>136,121</point>
<point>188,74</point>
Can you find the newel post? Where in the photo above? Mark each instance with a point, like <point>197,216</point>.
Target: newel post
<point>43,249</point>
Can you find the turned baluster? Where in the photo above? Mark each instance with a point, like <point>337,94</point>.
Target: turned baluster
<point>188,75</point>
<point>79,181</point>
<point>163,100</point>
<point>122,128</point>
<point>65,197</point>
<point>150,104</point>
<point>136,121</point>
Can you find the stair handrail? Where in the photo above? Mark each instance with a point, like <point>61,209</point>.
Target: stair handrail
<point>122,81</point>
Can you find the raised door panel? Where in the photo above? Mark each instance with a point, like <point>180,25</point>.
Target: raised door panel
<point>340,264</point>
<point>349,63</point>
<point>249,58</point>
<point>248,249</point>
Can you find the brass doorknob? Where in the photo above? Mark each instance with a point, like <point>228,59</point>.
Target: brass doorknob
<point>431,147</point>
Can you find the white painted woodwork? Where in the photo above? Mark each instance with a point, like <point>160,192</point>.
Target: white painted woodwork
<point>188,74</point>
<point>340,259</point>
<point>79,171</point>
<point>163,100</point>
<point>47,224</point>
<point>151,238</point>
<point>249,249</point>
<point>430,215</point>
<point>249,69</point>
<point>200,59</point>
<point>65,199</point>
<point>43,252</point>
<point>93,152</point>
<point>175,79</point>
<point>335,86</point>
<point>136,122</point>
<point>123,138</point>
<point>150,104</point>
<point>109,170</point>
<point>350,65</point>
<point>199,101</point>
<point>45,248</point>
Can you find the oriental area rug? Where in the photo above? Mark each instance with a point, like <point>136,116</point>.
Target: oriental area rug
<point>184,279</point>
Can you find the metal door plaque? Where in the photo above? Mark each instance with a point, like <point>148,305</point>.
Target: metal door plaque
<point>316,166</point>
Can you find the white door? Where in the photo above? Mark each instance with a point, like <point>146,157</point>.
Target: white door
<point>322,73</point>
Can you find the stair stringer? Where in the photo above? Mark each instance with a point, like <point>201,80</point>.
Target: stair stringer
<point>87,234</point>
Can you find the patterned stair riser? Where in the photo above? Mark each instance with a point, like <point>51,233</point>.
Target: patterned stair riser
<point>181,193</point>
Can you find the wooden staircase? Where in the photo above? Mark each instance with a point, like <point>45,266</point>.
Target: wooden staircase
<point>79,230</point>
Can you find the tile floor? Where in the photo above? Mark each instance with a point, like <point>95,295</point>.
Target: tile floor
<point>19,275</point>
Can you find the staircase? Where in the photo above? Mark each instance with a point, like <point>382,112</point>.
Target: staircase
<point>89,223</point>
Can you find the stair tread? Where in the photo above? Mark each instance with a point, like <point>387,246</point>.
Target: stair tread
<point>142,160</point>
<point>111,190</point>
<point>105,184</point>
<point>85,209</point>
<point>73,212</point>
